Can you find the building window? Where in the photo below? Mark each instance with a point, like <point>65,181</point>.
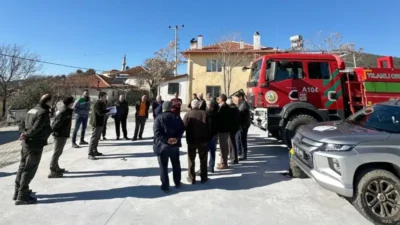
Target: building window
<point>173,88</point>
<point>214,65</point>
<point>215,91</point>
<point>319,70</point>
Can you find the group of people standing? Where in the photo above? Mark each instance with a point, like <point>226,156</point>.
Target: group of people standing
<point>209,120</point>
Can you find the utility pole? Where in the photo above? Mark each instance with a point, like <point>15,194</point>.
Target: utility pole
<point>176,28</point>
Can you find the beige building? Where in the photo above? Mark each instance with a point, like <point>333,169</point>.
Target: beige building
<point>205,65</point>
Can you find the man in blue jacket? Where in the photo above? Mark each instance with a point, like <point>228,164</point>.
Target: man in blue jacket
<point>168,131</point>
<point>81,109</point>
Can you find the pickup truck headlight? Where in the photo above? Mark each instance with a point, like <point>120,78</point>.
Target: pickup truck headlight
<point>337,147</point>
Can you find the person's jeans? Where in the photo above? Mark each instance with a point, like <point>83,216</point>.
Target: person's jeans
<point>233,150</point>
<point>212,147</point>
<point>78,121</point>
<point>163,158</point>
<point>241,140</point>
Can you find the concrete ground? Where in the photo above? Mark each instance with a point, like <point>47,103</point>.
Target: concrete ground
<point>123,188</point>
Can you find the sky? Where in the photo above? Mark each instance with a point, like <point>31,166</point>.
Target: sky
<point>97,33</point>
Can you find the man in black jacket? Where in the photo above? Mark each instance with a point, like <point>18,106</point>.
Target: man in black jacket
<point>121,116</point>
<point>233,151</point>
<point>97,121</point>
<point>224,127</point>
<point>61,132</point>
<point>202,102</point>
<point>157,106</point>
<point>141,115</point>
<point>168,131</point>
<point>35,129</point>
<point>244,122</point>
<point>212,132</point>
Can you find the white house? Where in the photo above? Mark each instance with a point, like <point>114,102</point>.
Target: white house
<point>171,85</point>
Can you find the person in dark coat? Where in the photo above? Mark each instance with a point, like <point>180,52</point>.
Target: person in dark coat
<point>157,106</point>
<point>81,109</point>
<point>233,150</point>
<point>97,121</point>
<point>168,132</point>
<point>105,123</point>
<point>176,104</point>
<point>61,132</point>
<point>193,98</point>
<point>202,102</point>
<point>141,115</point>
<point>212,133</point>
<point>196,137</point>
<point>224,128</point>
<point>244,121</point>
<point>35,129</point>
<point>120,118</point>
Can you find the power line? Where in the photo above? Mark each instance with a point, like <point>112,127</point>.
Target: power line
<point>50,63</point>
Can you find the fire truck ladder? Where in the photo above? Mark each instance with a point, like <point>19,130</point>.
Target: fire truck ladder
<point>356,93</point>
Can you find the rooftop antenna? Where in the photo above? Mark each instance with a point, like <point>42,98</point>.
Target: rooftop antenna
<point>176,28</point>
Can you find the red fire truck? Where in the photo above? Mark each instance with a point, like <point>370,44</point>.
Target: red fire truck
<point>287,90</point>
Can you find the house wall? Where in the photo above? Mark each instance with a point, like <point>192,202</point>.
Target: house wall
<point>163,89</point>
<point>135,82</point>
<point>200,78</point>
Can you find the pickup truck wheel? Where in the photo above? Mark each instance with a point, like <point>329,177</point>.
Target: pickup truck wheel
<point>377,196</point>
<point>293,124</point>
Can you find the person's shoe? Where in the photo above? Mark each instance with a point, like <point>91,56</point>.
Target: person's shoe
<point>117,139</point>
<point>83,142</point>
<point>61,170</point>
<point>211,169</point>
<point>166,190</point>
<point>105,139</point>
<point>27,201</point>
<point>190,180</point>
<point>235,161</point>
<point>198,172</point>
<point>222,166</point>
<point>243,158</point>
<point>92,157</point>
<point>177,186</point>
<point>134,139</point>
<point>74,145</point>
<point>98,154</point>
<point>126,138</point>
<point>204,180</point>
<point>140,138</point>
<point>15,196</point>
<point>54,174</point>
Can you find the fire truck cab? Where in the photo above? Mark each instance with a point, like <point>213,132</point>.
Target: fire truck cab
<point>287,90</point>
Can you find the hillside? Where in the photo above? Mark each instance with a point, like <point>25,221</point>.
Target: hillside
<point>368,60</point>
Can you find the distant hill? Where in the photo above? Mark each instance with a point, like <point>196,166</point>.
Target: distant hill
<point>368,60</point>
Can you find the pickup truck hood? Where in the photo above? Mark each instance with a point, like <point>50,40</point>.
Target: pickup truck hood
<point>340,132</point>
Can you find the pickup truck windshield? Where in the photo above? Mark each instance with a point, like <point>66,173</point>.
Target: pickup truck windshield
<point>379,117</point>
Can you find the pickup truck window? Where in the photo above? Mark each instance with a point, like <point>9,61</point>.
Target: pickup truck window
<point>379,117</point>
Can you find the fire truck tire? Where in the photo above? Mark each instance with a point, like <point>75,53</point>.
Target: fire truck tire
<point>293,124</point>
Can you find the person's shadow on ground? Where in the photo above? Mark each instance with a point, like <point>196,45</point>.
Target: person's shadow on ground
<point>261,169</point>
<point>5,174</point>
<point>8,136</point>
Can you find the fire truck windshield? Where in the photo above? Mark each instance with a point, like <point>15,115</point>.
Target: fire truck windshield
<point>255,71</point>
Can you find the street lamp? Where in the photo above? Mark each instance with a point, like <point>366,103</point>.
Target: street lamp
<point>176,28</point>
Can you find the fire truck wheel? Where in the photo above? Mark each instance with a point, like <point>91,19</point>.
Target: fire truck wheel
<point>293,124</point>
<point>377,194</point>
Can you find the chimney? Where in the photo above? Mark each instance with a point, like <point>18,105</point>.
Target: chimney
<point>257,40</point>
<point>241,44</point>
<point>193,43</point>
<point>200,42</point>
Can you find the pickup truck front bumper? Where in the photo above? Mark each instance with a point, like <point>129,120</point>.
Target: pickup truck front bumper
<point>321,170</point>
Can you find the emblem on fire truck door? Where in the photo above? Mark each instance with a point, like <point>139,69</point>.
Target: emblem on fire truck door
<point>271,97</point>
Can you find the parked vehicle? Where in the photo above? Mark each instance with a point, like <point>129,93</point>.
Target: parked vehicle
<point>287,90</point>
<point>358,158</point>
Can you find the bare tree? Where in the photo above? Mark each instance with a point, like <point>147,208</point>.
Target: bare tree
<point>333,43</point>
<point>16,64</point>
<point>160,66</point>
<point>230,55</point>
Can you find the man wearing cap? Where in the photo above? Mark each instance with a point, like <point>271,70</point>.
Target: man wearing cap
<point>35,129</point>
<point>168,131</point>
